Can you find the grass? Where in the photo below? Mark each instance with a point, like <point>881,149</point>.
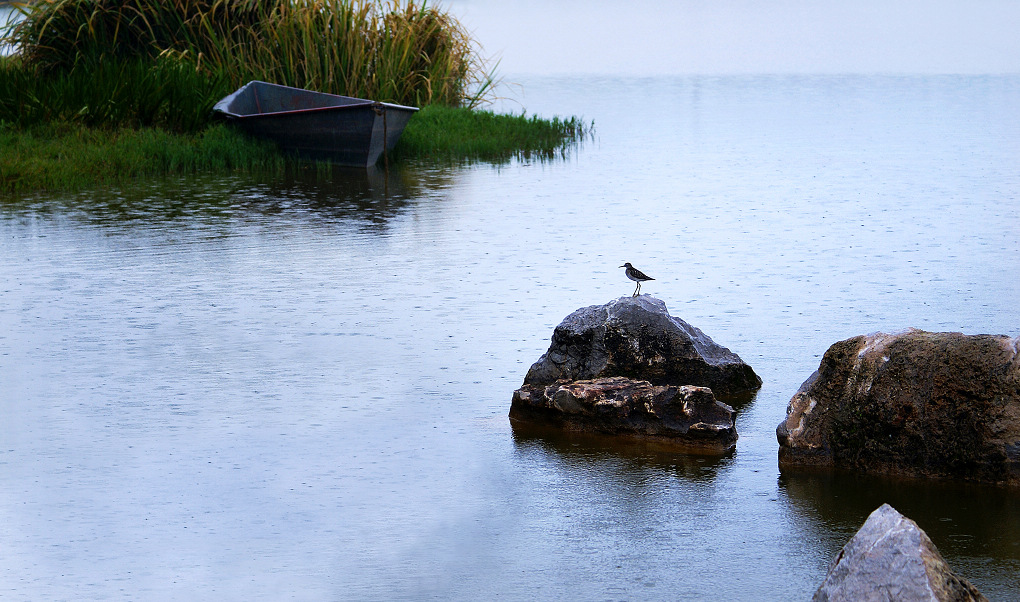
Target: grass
<point>60,155</point>
<point>63,156</point>
<point>446,133</point>
<point>388,50</point>
<point>165,93</point>
<point>165,63</point>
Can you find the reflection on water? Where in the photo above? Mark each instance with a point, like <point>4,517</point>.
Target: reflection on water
<point>586,450</point>
<point>246,387</point>
<point>370,197</point>
<point>954,515</point>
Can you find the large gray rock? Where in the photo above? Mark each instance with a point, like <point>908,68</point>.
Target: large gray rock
<point>891,559</point>
<point>637,338</point>
<point>943,405</point>
<point>685,416</point>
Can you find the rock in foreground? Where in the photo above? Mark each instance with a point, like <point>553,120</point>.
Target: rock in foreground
<point>636,337</point>
<point>889,559</point>
<point>686,416</point>
<point>917,403</point>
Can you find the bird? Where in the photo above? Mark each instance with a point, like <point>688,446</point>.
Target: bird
<point>637,276</point>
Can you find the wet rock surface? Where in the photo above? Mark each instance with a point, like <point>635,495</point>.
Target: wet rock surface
<point>942,405</point>
<point>891,558</point>
<point>636,337</point>
<point>688,416</point>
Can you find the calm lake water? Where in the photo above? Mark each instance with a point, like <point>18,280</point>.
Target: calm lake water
<point>226,388</point>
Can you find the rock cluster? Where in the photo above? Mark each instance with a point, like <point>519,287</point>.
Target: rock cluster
<point>620,406</point>
<point>891,558</point>
<point>629,368</point>
<point>943,405</point>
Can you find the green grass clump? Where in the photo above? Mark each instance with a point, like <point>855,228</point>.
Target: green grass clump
<point>167,93</point>
<point>65,156</point>
<point>447,133</point>
<point>62,155</point>
<point>395,50</point>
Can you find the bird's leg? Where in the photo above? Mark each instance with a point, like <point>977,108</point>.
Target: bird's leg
<point>637,290</point>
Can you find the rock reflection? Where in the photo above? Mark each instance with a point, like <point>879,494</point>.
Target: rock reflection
<point>962,519</point>
<point>581,450</point>
<point>742,402</point>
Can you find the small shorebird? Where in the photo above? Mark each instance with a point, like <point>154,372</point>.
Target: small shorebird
<point>637,276</point>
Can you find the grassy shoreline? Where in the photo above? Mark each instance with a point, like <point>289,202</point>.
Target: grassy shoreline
<point>103,91</point>
<point>62,156</point>
<point>70,157</point>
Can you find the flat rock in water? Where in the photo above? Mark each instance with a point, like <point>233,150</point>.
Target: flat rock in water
<point>636,337</point>
<point>916,403</point>
<point>891,559</point>
<point>686,416</point>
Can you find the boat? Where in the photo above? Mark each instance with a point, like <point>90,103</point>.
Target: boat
<point>316,125</point>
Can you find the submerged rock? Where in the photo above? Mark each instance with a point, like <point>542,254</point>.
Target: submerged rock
<point>637,338</point>
<point>688,416</point>
<point>890,558</point>
<point>915,403</point>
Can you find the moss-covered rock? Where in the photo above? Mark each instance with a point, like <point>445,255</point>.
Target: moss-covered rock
<point>916,403</point>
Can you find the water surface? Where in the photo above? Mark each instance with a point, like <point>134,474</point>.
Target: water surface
<point>226,388</point>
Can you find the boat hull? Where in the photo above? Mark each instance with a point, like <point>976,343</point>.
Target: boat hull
<point>315,125</point>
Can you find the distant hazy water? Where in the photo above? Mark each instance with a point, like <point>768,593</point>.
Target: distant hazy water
<point>8,16</point>
<point>232,389</point>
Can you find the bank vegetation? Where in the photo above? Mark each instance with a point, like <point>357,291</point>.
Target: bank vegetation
<point>125,88</point>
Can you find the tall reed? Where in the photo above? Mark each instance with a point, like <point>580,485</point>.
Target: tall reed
<point>391,50</point>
